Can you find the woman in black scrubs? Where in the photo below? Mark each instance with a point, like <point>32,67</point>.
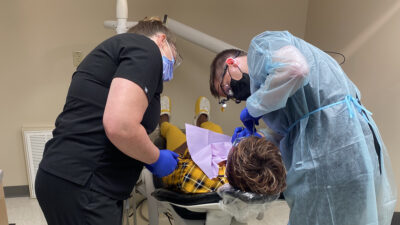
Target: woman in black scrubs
<point>100,143</point>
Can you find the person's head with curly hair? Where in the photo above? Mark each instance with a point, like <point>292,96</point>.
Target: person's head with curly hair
<point>255,165</point>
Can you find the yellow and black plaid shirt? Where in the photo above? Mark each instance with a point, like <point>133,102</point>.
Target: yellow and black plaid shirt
<point>189,178</point>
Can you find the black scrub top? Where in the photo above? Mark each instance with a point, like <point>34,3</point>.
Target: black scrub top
<point>80,151</point>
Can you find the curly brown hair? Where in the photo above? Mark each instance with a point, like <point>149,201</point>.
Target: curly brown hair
<point>255,165</point>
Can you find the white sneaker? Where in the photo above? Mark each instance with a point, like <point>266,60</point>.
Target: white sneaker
<point>165,105</point>
<point>202,107</point>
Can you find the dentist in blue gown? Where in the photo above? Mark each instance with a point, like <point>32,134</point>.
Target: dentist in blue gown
<point>338,169</point>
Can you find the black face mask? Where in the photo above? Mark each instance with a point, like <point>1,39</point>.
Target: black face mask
<point>241,88</point>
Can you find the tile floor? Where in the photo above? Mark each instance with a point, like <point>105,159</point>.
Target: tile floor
<point>26,211</point>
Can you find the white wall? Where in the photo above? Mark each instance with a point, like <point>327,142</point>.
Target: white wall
<point>235,22</point>
<point>37,40</point>
<point>38,37</point>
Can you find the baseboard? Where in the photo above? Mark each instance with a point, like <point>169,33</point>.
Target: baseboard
<point>396,218</point>
<point>16,191</point>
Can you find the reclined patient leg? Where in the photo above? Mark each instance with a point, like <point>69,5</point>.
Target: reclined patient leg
<point>211,126</point>
<point>173,135</point>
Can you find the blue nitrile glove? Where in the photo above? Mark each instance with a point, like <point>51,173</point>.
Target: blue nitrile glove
<point>236,132</point>
<point>248,121</point>
<point>165,164</point>
<point>241,132</point>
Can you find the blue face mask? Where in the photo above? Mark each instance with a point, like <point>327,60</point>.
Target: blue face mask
<point>168,66</point>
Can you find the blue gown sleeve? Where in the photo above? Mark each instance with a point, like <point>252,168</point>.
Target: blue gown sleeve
<point>277,70</point>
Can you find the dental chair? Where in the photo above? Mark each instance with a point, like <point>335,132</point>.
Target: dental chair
<point>185,209</point>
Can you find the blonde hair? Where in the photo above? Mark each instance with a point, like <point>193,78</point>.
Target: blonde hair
<point>151,26</point>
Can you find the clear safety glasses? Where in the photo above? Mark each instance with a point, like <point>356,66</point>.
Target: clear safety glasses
<point>234,145</point>
<point>177,57</point>
<point>226,89</point>
<point>236,141</point>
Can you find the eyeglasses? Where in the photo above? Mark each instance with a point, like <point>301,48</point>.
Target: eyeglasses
<point>226,89</point>
<point>177,57</point>
<point>234,145</point>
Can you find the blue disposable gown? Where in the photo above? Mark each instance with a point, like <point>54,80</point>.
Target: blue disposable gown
<point>334,174</point>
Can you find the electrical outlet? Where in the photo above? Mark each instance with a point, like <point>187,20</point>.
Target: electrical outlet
<point>76,58</point>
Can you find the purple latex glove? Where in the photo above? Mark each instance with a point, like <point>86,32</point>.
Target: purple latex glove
<point>165,164</point>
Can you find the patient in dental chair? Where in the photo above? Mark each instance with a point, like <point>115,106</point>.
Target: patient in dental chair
<point>254,164</point>
<point>188,177</point>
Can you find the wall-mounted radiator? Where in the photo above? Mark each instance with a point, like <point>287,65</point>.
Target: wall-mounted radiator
<point>34,142</point>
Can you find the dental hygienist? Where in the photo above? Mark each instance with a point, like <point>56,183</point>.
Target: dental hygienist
<point>338,170</point>
<point>101,141</point>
